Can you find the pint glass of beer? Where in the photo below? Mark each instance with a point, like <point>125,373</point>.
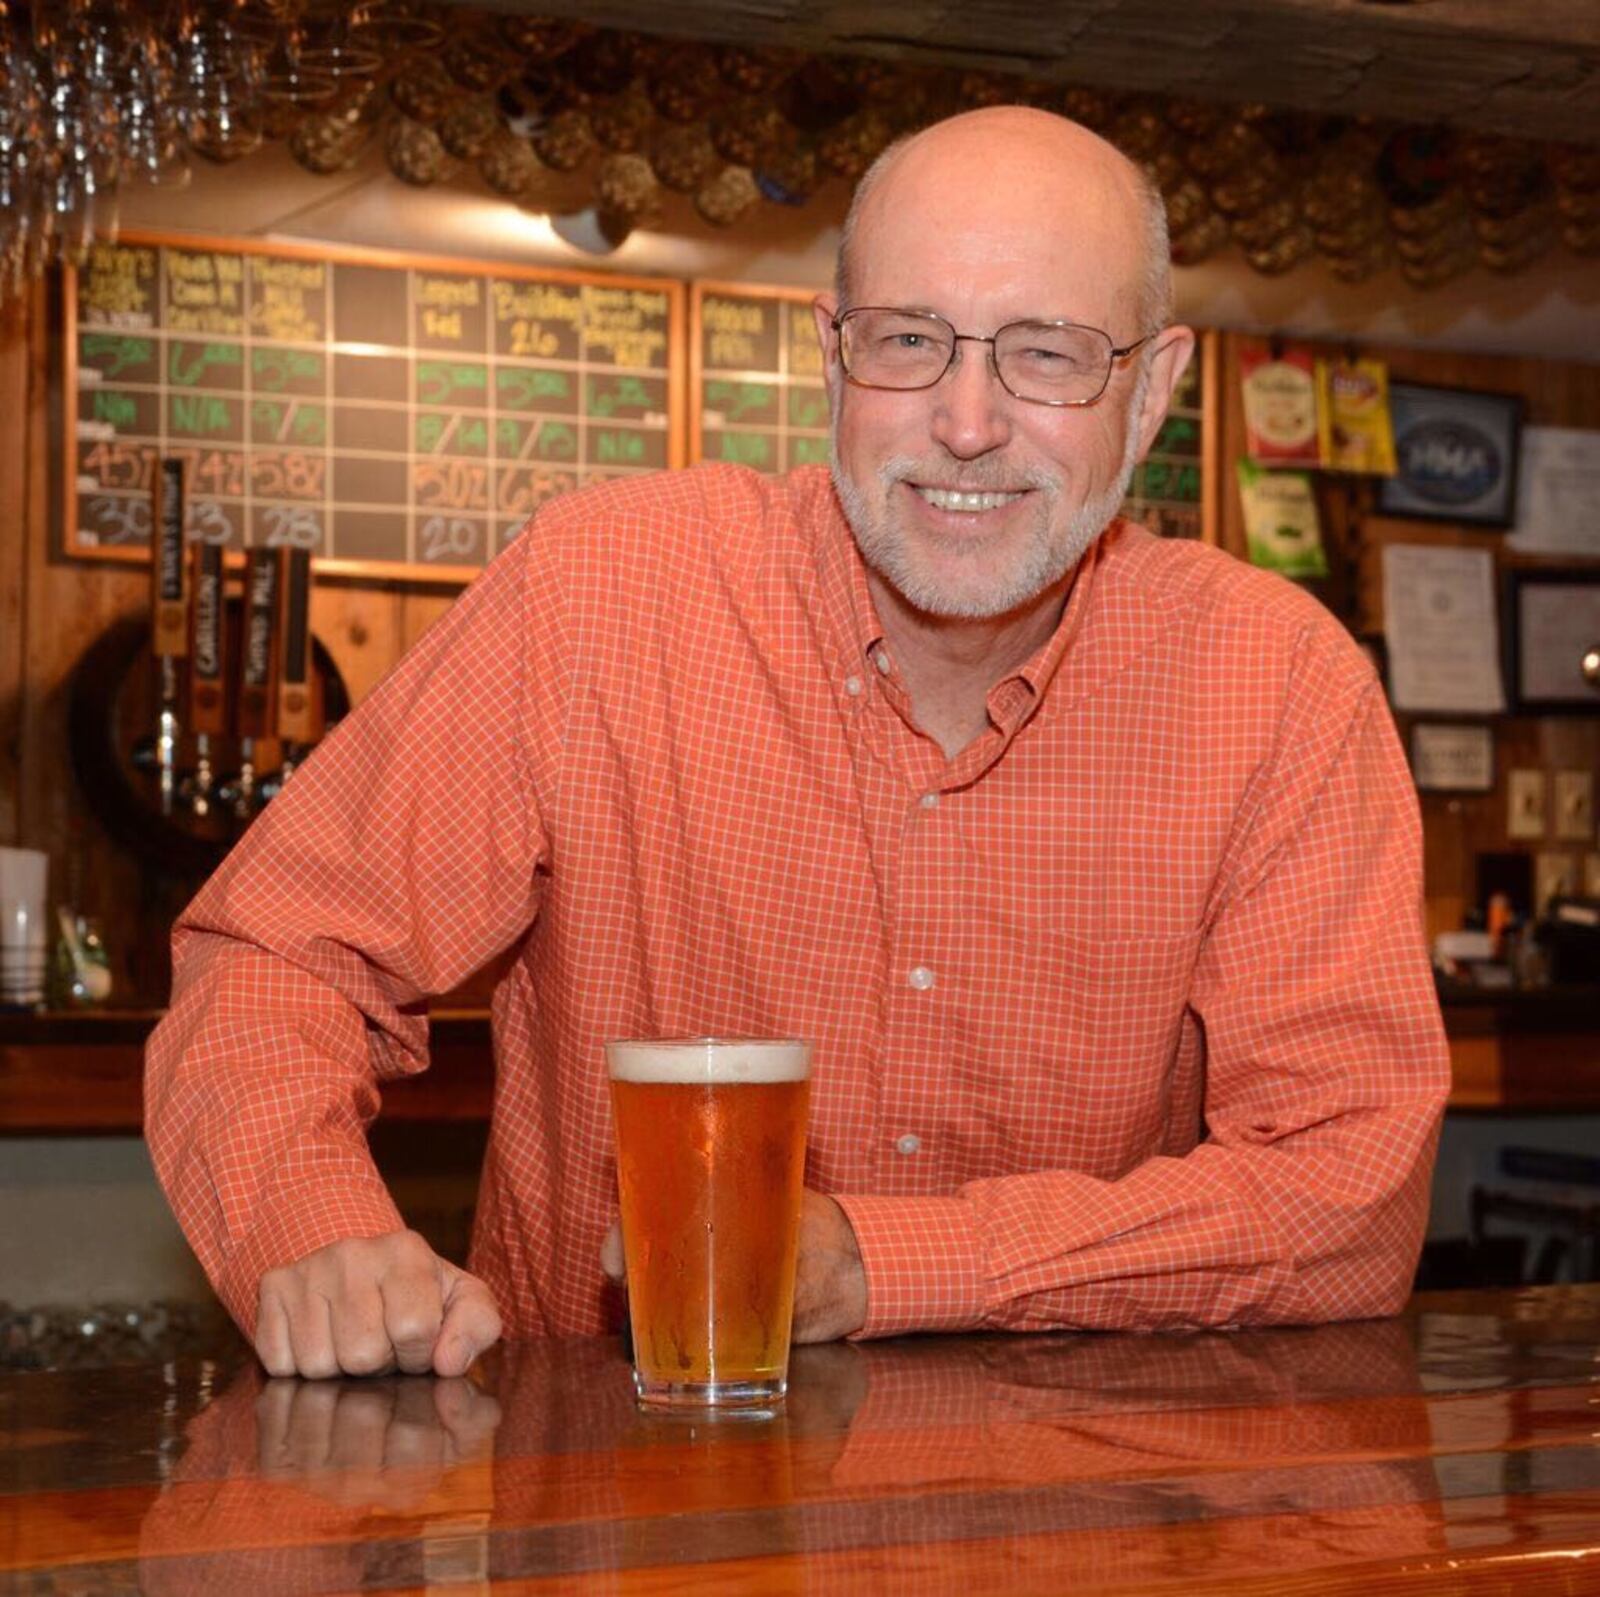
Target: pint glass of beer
<point>711,1140</point>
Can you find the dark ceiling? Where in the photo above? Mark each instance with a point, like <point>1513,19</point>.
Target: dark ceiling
<point>1526,68</point>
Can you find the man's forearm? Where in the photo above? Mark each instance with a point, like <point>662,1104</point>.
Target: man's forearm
<point>302,969</point>
<point>258,1092</point>
<point>1225,1236</point>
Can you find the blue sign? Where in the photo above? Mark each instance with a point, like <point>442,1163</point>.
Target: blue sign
<point>1448,462</point>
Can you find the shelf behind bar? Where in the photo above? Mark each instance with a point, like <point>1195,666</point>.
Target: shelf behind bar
<point>82,1071</point>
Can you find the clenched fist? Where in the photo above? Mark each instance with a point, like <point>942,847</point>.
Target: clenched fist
<point>371,1306</point>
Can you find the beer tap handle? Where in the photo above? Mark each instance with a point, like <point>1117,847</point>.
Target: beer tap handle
<point>296,711</point>
<point>208,700</point>
<point>169,618</point>
<point>258,678</point>
<point>169,571</point>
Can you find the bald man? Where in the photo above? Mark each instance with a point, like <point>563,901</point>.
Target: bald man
<point>1088,860</point>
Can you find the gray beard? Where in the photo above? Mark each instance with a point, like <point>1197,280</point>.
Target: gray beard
<point>1050,553</point>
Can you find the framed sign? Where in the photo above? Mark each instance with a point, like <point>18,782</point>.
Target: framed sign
<point>1456,452</point>
<point>1451,757</point>
<point>1553,641</point>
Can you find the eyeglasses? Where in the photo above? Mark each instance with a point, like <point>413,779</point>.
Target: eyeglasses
<point>1044,363</point>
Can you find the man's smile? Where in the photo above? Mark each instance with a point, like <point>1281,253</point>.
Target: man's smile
<point>963,500</point>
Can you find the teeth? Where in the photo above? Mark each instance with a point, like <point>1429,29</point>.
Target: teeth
<point>950,499</point>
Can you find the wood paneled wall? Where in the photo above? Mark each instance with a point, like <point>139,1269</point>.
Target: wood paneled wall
<point>52,608</point>
<point>1457,828</point>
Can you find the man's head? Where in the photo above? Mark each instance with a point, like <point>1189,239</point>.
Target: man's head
<point>999,216</point>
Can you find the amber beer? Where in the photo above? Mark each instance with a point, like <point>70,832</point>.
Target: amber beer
<point>711,1137</point>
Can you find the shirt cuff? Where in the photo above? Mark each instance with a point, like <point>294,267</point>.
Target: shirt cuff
<point>295,1227</point>
<point>924,1264</point>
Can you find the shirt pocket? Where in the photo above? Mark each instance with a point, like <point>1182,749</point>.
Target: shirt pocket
<point>1079,1059</point>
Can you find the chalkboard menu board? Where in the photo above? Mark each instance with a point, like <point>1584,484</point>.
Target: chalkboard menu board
<point>1170,492</point>
<point>757,396</point>
<point>395,415</point>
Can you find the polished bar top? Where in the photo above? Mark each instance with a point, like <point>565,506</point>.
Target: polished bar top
<point>1451,1450</point>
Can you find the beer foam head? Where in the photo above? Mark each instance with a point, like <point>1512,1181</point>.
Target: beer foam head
<point>723,1061</point>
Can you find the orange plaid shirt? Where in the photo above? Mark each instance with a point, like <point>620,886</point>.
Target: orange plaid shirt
<point>1123,1016</point>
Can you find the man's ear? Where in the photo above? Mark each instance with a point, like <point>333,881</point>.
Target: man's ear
<point>823,311</point>
<point>1169,359</point>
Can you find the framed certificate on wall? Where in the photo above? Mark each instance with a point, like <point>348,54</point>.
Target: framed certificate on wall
<point>1553,641</point>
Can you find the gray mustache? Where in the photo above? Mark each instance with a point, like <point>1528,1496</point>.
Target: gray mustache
<point>981,477</point>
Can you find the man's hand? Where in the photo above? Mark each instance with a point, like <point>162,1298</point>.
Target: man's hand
<point>830,1288</point>
<point>372,1444</point>
<point>370,1306</point>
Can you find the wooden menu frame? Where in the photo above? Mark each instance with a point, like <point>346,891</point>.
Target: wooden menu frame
<point>673,371</point>
<point>1208,347</point>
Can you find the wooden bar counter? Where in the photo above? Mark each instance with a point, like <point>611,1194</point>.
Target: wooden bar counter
<point>1451,1450</point>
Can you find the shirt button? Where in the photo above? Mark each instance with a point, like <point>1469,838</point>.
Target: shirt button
<point>881,659</point>
<point>852,686</point>
<point>908,1143</point>
<point>930,801</point>
<point>921,978</point>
